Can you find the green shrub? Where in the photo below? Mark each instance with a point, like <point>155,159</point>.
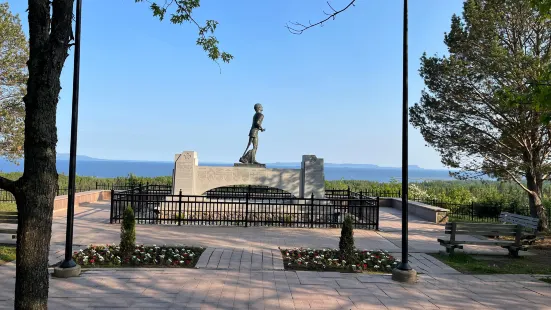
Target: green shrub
<point>346,243</point>
<point>128,231</point>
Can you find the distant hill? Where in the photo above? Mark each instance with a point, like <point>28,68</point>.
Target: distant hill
<point>7,166</point>
<point>65,156</point>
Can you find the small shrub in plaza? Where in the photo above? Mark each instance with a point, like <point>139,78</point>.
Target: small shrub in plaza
<point>146,256</point>
<point>346,242</point>
<point>128,231</point>
<point>332,260</point>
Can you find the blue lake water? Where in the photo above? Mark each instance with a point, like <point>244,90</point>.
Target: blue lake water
<point>110,169</point>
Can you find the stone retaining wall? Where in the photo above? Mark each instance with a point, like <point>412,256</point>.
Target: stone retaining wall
<point>60,202</point>
<point>424,211</point>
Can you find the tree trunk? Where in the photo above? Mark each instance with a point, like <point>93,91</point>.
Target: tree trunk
<point>534,198</point>
<point>49,39</point>
<point>34,204</point>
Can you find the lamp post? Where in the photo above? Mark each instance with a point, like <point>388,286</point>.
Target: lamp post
<point>404,273</point>
<point>68,267</point>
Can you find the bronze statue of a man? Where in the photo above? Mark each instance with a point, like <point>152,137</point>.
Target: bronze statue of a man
<point>250,156</point>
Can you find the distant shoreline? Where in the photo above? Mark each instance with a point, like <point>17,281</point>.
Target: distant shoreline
<point>117,168</point>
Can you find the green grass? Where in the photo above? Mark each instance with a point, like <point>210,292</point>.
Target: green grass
<point>7,253</point>
<point>8,207</point>
<point>497,264</point>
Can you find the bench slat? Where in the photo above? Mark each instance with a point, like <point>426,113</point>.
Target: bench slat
<point>8,231</point>
<point>2,216</point>
<point>480,242</point>
<point>8,221</point>
<point>519,221</point>
<point>8,213</point>
<point>462,231</point>
<point>462,224</point>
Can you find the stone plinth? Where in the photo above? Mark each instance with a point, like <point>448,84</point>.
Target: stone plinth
<point>249,165</point>
<point>192,179</point>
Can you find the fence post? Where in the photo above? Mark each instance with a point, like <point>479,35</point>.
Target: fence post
<point>361,205</point>
<point>377,214</point>
<point>399,194</point>
<point>180,208</point>
<point>96,185</point>
<point>132,202</point>
<point>472,211</point>
<point>112,206</point>
<point>348,192</point>
<point>247,205</point>
<point>312,211</point>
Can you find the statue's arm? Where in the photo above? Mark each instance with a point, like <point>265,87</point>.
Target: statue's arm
<point>259,122</point>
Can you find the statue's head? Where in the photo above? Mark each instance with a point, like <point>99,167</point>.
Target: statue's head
<point>258,107</point>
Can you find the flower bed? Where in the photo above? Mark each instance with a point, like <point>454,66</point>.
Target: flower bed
<point>331,260</point>
<point>143,256</point>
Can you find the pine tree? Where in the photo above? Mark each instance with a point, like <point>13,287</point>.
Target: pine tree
<point>346,243</point>
<point>128,231</point>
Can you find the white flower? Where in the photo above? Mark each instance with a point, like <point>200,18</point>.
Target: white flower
<point>376,267</point>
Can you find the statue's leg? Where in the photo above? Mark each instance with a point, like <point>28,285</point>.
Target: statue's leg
<point>248,145</point>
<point>255,148</point>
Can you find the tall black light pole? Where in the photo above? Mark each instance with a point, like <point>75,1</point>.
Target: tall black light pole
<point>68,263</point>
<point>404,273</point>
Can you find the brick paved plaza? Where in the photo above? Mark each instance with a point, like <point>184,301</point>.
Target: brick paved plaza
<point>242,269</point>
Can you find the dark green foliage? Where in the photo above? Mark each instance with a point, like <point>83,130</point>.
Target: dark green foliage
<point>476,108</point>
<point>346,243</point>
<point>128,231</point>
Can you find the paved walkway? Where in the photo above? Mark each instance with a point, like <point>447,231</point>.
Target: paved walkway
<point>92,227</point>
<point>231,289</point>
<point>242,269</point>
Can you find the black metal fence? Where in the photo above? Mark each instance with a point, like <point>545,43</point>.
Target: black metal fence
<point>470,212</point>
<point>161,207</point>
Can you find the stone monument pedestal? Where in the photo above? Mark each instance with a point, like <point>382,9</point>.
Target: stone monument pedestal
<point>192,179</point>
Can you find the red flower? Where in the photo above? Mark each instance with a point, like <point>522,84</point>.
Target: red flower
<point>365,266</point>
<point>92,261</point>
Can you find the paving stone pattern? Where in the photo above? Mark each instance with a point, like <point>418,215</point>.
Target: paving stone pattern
<point>173,288</point>
<point>240,259</point>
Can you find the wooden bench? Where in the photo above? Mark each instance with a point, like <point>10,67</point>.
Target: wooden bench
<point>483,229</point>
<point>8,218</point>
<point>527,222</point>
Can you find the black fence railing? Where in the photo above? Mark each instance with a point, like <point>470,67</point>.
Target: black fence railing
<point>471,212</point>
<point>161,207</point>
<point>348,193</point>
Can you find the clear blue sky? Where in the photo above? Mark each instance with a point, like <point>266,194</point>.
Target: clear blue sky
<point>148,92</point>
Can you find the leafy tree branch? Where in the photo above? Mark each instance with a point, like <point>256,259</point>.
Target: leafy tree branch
<point>182,12</point>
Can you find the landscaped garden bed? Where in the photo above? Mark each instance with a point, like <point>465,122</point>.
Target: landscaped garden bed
<point>333,260</point>
<point>143,256</point>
